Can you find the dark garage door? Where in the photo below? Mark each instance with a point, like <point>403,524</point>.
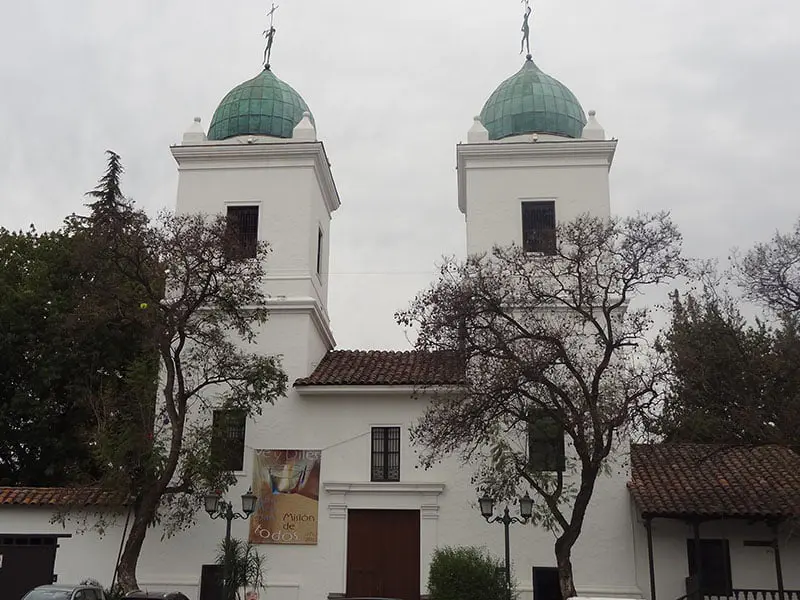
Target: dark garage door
<point>25,562</point>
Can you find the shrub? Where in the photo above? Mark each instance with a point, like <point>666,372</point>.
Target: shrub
<point>246,566</point>
<point>466,573</point>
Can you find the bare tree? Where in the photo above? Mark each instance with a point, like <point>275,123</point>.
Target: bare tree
<point>549,344</point>
<point>183,286</point>
<point>770,273</point>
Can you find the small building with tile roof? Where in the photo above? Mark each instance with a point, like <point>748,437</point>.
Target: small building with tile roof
<point>717,521</point>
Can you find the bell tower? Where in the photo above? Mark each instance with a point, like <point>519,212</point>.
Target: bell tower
<point>531,160</point>
<point>261,164</point>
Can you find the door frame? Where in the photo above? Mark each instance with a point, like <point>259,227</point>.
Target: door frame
<point>343,496</point>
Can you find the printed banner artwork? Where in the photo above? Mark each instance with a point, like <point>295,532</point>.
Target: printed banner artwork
<point>287,485</point>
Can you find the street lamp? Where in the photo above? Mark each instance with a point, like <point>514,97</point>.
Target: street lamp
<point>217,508</point>
<point>525,511</point>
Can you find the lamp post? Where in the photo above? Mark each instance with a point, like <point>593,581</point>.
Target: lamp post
<point>217,508</point>
<point>525,512</point>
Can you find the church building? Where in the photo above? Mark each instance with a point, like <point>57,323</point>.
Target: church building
<point>342,508</point>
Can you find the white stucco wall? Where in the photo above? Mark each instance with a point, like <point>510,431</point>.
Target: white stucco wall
<point>495,178</point>
<point>292,185</point>
<point>751,567</point>
<point>339,424</point>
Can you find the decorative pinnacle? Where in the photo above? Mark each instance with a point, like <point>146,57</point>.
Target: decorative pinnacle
<point>269,35</point>
<point>526,29</point>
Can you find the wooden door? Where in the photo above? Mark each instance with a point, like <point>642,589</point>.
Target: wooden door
<point>383,556</point>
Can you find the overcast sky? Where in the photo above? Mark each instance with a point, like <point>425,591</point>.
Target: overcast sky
<point>703,96</point>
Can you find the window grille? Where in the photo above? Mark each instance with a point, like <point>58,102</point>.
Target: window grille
<point>385,454</point>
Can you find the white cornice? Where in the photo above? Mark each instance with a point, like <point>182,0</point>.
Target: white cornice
<point>367,390</point>
<point>382,487</point>
<point>369,494</point>
<point>305,305</point>
<point>254,156</point>
<point>564,154</point>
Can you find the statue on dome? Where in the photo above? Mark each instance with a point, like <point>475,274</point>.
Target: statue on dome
<point>269,34</point>
<point>526,29</point>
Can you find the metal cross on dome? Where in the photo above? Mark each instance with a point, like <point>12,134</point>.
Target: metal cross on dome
<point>526,29</point>
<point>269,34</point>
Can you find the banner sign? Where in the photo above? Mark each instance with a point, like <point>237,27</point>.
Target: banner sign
<point>287,485</point>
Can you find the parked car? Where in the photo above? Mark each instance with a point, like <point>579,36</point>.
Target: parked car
<point>65,592</point>
<point>140,595</point>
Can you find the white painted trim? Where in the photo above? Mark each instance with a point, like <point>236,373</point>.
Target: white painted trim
<point>256,156</point>
<point>281,584</point>
<point>605,592</point>
<point>566,153</point>
<point>305,305</point>
<point>382,487</point>
<point>369,390</point>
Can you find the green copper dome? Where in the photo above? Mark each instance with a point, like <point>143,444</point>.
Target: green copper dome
<point>264,105</point>
<point>532,102</point>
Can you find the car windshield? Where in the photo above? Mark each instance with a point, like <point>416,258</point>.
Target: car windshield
<point>47,595</point>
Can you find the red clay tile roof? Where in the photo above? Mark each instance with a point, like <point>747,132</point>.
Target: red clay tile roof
<point>706,480</point>
<point>44,496</point>
<point>378,367</point>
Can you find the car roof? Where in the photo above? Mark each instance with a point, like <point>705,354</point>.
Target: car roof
<point>63,587</point>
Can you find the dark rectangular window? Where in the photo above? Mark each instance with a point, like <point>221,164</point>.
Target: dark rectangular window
<point>715,565</point>
<point>319,251</point>
<point>227,439</point>
<point>545,443</point>
<point>243,221</point>
<point>539,227</point>
<point>385,454</point>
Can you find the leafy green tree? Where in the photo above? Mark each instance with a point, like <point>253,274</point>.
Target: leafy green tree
<point>44,430</point>
<point>731,381</point>
<point>546,343</point>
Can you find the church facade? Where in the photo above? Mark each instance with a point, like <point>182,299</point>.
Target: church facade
<point>342,507</point>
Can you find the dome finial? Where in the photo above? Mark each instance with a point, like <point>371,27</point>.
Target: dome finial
<point>269,34</point>
<point>526,29</point>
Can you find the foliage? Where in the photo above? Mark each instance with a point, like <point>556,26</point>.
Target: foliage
<point>192,308</point>
<point>245,564</point>
<point>551,336</point>
<point>732,382</point>
<point>40,441</point>
<point>466,573</point>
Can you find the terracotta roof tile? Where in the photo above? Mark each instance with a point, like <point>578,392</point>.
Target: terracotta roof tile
<point>706,480</point>
<point>378,367</point>
<point>48,496</point>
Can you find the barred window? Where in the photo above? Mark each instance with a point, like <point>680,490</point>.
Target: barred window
<point>243,221</point>
<point>385,454</point>
<point>539,227</point>
<point>227,439</point>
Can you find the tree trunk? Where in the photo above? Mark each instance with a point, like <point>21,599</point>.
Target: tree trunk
<point>142,517</point>
<point>564,563</point>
